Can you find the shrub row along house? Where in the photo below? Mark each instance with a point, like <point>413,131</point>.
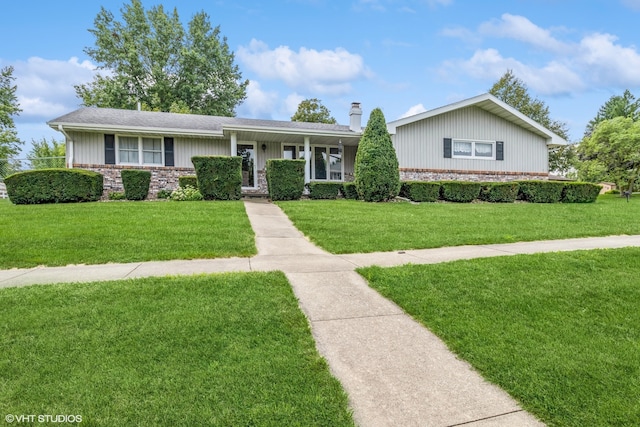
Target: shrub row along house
<point>477,139</point>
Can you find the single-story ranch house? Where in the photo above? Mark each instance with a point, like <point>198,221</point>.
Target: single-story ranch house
<point>480,138</point>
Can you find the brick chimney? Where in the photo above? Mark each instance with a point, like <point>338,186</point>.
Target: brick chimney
<point>355,117</point>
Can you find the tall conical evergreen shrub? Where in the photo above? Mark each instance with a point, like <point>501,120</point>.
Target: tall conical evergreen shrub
<point>376,169</point>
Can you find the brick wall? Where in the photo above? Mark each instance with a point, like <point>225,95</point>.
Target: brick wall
<point>461,175</point>
<point>162,178</point>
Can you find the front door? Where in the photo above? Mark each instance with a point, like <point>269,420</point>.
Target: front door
<point>248,154</point>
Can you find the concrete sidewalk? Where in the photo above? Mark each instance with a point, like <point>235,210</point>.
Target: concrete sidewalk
<point>395,371</point>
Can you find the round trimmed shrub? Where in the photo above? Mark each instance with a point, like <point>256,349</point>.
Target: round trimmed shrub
<point>580,192</point>
<point>541,191</point>
<point>324,190</point>
<point>185,180</point>
<point>219,177</point>
<point>349,190</point>
<point>421,191</point>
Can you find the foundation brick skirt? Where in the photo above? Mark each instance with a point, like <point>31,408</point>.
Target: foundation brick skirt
<point>162,178</point>
<point>461,175</point>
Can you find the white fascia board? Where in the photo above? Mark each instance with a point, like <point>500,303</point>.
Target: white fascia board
<point>129,129</point>
<point>552,138</point>
<point>291,131</point>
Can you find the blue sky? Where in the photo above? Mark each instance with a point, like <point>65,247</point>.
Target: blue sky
<point>403,56</point>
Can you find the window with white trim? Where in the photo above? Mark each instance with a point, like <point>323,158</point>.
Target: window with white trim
<point>326,161</point>
<point>138,150</point>
<point>472,149</point>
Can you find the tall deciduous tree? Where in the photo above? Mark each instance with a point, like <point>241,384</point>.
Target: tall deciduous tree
<point>149,57</point>
<point>9,107</point>
<point>376,171</point>
<point>311,110</point>
<point>625,105</point>
<point>512,91</point>
<point>612,152</point>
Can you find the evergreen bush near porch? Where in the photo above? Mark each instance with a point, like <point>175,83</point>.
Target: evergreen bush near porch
<point>349,190</point>
<point>285,179</point>
<point>188,180</point>
<point>136,183</point>
<point>376,167</point>
<point>324,190</point>
<point>219,177</point>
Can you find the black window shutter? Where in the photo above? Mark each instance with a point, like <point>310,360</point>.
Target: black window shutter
<point>499,150</point>
<point>168,152</point>
<point>109,149</point>
<point>447,148</point>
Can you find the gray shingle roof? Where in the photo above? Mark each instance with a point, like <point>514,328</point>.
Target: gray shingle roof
<point>93,117</point>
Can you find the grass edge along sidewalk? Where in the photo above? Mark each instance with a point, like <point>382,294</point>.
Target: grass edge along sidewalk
<point>226,349</point>
<point>121,232</point>
<point>560,332</point>
<point>349,226</point>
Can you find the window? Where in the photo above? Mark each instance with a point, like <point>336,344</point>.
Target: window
<point>134,150</point>
<point>474,149</point>
<point>326,161</point>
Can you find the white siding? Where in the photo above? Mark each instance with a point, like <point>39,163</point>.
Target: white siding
<point>419,145</point>
<point>88,148</point>
<point>185,148</point>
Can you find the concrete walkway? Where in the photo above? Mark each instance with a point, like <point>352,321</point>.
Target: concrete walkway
<point>395,371</point>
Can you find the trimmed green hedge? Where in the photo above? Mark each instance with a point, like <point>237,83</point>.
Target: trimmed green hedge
<point>580,192</point>
<point>285,179</point>
<point>188,180</point>
<point>219,177</point>
<point>541,191</point>
<point>136,183</point>
<point>420,191</point>
<point>349,190</point>
<point>324,190</point>
<point>54,186</point>
<point>460,191</point>
<point>499,192</point>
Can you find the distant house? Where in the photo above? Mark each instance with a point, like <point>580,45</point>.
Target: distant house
<point>3,191</point>
<point>477,139</point>
<point>109,140</point>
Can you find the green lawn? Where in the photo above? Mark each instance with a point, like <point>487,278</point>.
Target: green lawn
<point>96,233</point>
<point>560,332</point>
<point>225,350</point>
<point>347,226</point>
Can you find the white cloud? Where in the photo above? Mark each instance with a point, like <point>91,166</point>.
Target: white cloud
<point>520,28</point>
<point>609,63</point>
<point>45,86</point>
<point>416,109</point>
<point>560,67</point>
<point>324,72</point>
<point>291,103</point>
<point>259,103</point>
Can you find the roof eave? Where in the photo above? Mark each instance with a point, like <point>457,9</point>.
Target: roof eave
<point>133,129</point>
<point>294,131</point>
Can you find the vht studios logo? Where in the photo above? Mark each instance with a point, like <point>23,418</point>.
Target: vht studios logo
<point>31,418</point>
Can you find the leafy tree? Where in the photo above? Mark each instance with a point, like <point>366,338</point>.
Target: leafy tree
<point>376,168</point>
<point>612,152</point>
<point>312,111</point>
<point>513,91</point>
<point>617,106</point>
<point>150,58</point>
<point>9,107</point>
<point>47,155</point>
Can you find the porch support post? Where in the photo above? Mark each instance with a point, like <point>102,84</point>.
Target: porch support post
<point>234,144</point>
<point>307,160</point>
